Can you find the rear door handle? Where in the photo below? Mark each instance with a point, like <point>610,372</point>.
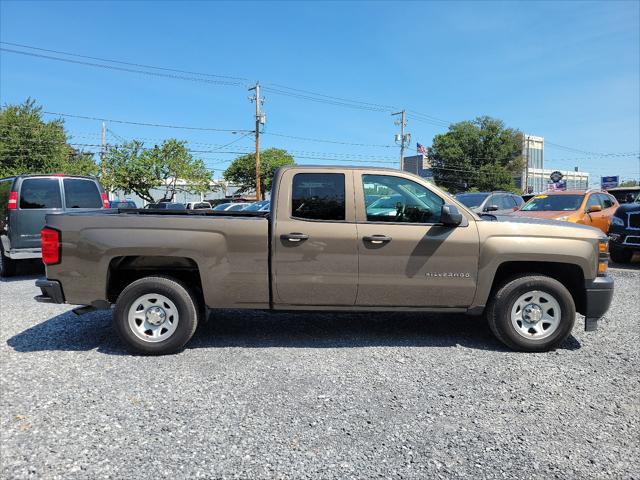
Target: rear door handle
<point>377,239</point>
<point>294,237</point>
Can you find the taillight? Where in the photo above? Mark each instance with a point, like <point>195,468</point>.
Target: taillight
<point>105,200</point>
<point>13,201</point>
<point>50,241</point>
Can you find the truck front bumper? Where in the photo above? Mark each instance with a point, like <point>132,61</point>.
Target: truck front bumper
<point>598,296</point>
<point>51,291</point>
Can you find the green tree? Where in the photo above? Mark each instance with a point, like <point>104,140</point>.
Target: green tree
<point>629,183</point>
<point>169,168</point>
<point>481,154</point>
<point>242,171</point>
<point>28,144</point>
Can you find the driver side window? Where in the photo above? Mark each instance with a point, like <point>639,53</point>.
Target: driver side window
<point>593,200</point>
<point>399,200</point>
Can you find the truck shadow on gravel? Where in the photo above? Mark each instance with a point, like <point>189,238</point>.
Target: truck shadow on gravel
<point>255,329</point>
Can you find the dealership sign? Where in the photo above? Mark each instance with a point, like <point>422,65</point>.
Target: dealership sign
<point>556,181</point>
<point>609,182</point>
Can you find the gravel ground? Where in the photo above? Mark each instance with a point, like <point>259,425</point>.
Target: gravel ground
<point>260,395</point>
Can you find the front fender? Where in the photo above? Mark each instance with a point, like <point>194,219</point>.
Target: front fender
<point>498,250</point>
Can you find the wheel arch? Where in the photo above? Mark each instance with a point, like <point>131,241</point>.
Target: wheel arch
<point>124,270</point>
<point>568,274</point>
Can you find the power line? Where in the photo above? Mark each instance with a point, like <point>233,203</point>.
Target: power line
<point>127,122</point>
<point>300,153</point>
<point>181,127</point>
<point>229,80</point>
<point>125,63</point>
<point>123,69</point>
<point>337,142</point>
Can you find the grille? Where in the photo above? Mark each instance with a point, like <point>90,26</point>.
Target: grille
<point>634,220</point>
<point>631,240</point>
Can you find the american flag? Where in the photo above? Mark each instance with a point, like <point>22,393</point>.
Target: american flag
<point>421,149</point>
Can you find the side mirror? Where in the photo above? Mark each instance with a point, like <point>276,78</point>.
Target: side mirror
<point>594,208</point>
<point>491,208</point>
<point>450,216</point>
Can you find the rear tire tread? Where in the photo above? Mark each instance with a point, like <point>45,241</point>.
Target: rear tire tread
<point>176,289</point>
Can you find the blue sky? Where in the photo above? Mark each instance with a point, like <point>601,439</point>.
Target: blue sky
<point>568,71</point>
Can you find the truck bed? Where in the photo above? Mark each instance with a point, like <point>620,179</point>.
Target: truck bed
<point>229,251</point>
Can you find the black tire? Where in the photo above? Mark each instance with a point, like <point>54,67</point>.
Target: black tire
<point>184,300</point>
<point>620,255</point>
<point>500,306</point>
<point>7,265</point>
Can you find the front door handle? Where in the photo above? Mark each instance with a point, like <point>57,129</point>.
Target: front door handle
<point>377,239</point>
<point>294,237</point>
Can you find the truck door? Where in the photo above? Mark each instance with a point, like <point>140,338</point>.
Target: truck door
<point>406,258</point>
<point>315,242</point>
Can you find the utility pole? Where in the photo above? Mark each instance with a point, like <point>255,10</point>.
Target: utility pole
<point>402,137</point>
<point>526,165</point>
<point>102,149</point>
<point>260,120</point>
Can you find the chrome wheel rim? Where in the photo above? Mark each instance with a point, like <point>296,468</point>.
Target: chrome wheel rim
<point>153,317</point>
<point>536,315</point>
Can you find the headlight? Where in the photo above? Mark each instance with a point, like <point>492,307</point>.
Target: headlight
<point>563,219</point>
<point>617,221</point>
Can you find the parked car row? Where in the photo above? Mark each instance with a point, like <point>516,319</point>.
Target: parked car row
<point>262,205</point>
<point>594,208</point>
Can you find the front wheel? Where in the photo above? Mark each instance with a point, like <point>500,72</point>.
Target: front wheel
<point>156,315</point>
<point>532,313</point>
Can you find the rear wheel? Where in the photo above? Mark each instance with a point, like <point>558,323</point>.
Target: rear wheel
<point>7,265</point>
<point>156,315</point>
<point>532,313</point>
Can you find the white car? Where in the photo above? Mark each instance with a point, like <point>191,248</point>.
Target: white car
<point>198,206</point>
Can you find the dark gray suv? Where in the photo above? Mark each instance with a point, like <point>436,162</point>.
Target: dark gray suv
<point>498,203</point>
<point>24,202</point>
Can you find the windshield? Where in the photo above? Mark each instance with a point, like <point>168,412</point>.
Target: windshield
<point>222,206</point>
<point>237,207</point>
<point>472,200</point>
<point>553,203</point>
<point>255,206</point>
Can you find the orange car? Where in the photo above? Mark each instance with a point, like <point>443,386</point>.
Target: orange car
<point>593,207</point>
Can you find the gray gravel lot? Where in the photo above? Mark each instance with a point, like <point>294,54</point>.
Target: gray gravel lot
<point>319,395</point>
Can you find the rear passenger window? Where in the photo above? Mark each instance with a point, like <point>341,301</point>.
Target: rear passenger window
<point>318,196</point>
<point>504,202</point>
<point>81,194</point>
<point>40,193</point>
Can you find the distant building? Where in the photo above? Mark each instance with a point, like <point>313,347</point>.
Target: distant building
<point>535,178</point>
<point>418,165</point>
<point>540,179</point>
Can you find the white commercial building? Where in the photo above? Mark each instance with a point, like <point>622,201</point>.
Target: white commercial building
<point>535,178</point>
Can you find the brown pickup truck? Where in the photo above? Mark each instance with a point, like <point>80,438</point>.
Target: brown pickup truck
<point>335,239</point>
